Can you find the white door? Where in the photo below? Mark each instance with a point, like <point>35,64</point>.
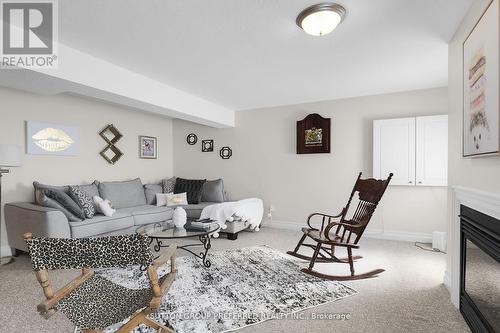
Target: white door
<point>394,150</point>
<point>432,151</point>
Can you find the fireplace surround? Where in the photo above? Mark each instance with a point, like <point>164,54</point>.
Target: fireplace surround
<point>479,270</point>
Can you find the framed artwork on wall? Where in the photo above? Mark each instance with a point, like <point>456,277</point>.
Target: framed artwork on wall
<point>51,139</point>
<point>148,147</point>
<point>313,135</point>
<point>207,146</point>
<point>481,86</point>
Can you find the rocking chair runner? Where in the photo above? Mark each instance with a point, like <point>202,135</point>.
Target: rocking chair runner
<point>90,301</point>
<point>344,233</point>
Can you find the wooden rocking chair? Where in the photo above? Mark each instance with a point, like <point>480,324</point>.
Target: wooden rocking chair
<point>344,233</point>
<point>90,301</point>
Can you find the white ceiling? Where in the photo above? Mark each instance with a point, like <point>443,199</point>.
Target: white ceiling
<point>245,54</point>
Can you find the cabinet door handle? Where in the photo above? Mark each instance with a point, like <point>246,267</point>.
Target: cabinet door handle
<point>410,182</point>
<point>420,182</point>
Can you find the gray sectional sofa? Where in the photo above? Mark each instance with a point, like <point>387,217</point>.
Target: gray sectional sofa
<point>134,203</point>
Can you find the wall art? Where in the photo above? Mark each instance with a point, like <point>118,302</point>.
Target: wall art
<point>207,146</point>
<point>51,139</point>
<point>481,86</point>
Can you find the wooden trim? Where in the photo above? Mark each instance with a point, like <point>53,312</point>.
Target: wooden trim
<point>168,254</point>
<point>61,293</point>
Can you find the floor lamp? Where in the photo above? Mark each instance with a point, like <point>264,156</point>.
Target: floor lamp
<point>10,156</point>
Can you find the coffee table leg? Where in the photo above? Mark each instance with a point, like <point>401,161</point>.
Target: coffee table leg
<point>205,240</point>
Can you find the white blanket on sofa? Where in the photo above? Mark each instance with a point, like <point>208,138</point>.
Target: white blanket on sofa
<point>249,211</point>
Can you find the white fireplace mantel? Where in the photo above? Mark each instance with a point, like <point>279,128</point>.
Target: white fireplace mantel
<point>484,202</point>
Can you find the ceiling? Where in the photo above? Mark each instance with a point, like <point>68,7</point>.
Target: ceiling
<point>246,54</point>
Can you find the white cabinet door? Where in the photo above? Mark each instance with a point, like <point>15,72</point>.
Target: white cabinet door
<point>394,150</point>
<point>432,151</point>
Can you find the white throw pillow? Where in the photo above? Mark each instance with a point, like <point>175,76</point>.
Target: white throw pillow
<point>103,206</point>
<point>161,199</point>
<point>178,199</point>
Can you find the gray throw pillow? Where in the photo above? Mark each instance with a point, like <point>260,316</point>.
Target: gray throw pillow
<point>213,191</point>
<point>151,190</point>
<point>65,200</point>
<point>91,189</point>
<point>84,201</point>
<point>45,201</point>
<point>168,185</point>
<point>193,188</point>
<point>123,194</point>
<point>42,187</point>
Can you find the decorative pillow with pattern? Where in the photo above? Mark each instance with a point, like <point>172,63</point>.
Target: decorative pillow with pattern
<point>83,200</point>
<point>168,185</point>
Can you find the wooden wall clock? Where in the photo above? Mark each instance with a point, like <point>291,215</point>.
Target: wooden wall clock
<point>313,135</point>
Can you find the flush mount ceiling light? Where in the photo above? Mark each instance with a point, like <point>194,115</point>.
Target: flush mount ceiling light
<point>321,19</point>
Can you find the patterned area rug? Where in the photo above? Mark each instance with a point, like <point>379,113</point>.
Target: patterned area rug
<point>242,287</point>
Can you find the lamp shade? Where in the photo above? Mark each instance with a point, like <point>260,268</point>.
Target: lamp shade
<point>10,155</point>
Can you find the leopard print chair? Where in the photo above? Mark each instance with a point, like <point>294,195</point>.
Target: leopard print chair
<point>90,301</point>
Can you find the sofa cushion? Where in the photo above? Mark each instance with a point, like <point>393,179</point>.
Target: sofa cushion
<point>147,214</point>
<point>91,189</point>
<point>193,188</point>
<point>66,201</point>
<point>45,201</point>
<point>213,191</point>
<point>124,193</point>
<point>194,210</point>
<point>41,187</point>
<point>168,185</point>
<point>84,200</point>
<point>150,190</point>
<point>101,224</point>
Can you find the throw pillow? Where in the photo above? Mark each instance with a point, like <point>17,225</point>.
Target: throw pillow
<point>83,200</point>
<point>161,199</point>
<point>45,201</point>
<point>151,190</point>
<point>104,206</point>
<point>65,200</point>
<point>42,187</point>
<point>213,191</point>
<point>193,188</point>
<point>169,185</point>
<point>171,199</point>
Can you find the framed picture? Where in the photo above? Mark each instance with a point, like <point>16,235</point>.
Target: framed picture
<point>51,139</point>
<point>148,147</point>
<point>481,86</point>
<point>313,135</point>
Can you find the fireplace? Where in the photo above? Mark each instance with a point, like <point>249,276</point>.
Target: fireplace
<point>480,270</point>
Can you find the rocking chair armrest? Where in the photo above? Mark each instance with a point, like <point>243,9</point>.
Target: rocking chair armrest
<point>324,215</point>
<point>343,224</point>
<point>167,255</point>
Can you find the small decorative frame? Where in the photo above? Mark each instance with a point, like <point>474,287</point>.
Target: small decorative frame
<point>226,153</point>
<point>111,154</point>
<point>191,139</point>
<point>111,135</point>
<point>207,146</point>
<point>148,147</point>
<point>313,135</point>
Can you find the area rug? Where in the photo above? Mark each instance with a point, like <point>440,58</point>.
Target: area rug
<point>242,287</point>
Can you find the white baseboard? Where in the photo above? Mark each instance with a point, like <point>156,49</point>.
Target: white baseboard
<point>396,235</point>
<point>5,251</point>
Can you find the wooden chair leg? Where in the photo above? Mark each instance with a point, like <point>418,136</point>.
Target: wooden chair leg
<point>351,263</point>
<point>299,244</point>
<point>314,257</point>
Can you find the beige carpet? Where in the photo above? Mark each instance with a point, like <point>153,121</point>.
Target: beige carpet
<point>408,297</point>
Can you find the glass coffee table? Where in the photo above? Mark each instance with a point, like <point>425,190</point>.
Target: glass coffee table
<point>161,234</point>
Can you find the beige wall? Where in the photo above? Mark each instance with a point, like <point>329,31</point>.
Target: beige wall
<point>264,162</point>
<point>90,117</point>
